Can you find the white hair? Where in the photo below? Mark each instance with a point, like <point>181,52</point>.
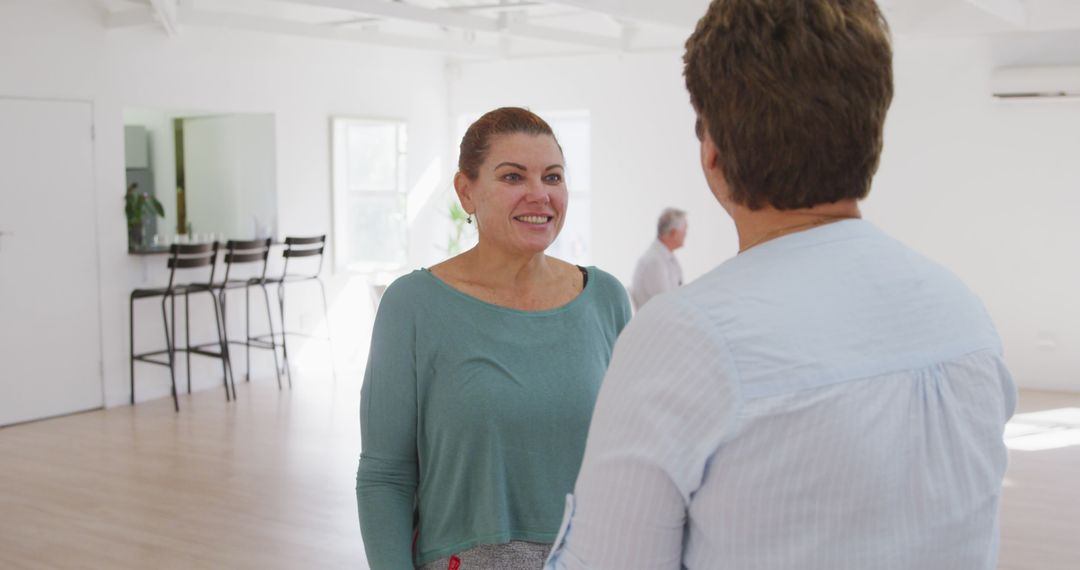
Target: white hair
<point>670,219</point>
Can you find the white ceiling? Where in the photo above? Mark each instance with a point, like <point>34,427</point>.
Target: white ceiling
<point>518,28</point>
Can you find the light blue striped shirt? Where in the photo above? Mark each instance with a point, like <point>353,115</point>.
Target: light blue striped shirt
<point>826,400</point>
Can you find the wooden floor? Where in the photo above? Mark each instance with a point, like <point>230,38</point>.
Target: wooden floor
<point>1040,506</point>
<point>268,482</point>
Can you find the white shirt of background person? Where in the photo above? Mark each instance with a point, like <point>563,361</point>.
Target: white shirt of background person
<point>658,270</point>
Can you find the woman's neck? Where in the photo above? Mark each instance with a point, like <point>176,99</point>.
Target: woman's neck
<point>499,269</point>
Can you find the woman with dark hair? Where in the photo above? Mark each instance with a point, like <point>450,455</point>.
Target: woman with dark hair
<point>827,398</point>
<point>483,371</point>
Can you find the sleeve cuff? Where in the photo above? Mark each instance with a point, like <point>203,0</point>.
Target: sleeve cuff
<point>553,562</point>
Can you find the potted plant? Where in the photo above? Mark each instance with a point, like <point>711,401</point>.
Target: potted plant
<point>137,207</point>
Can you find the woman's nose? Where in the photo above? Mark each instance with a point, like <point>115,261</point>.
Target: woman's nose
<point>537,192</point>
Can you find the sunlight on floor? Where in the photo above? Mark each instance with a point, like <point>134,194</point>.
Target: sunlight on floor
<point>1041,431</point>
<point>351,311</point>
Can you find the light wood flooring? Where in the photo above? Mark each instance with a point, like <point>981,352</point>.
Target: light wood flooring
<point>268,482</point>
<point>1040,505</point>
<point>265,482</point>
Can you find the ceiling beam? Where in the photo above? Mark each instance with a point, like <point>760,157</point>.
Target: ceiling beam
<point>491,7</point>
<point>231,21</point>
<point>516,27</point>
<point>133,18</point>
<point>526,30</point>
<point>402,11</point>
<point>507,25</point>
<point>145,17</point>
<point>166,15</point>
<point>603,6</point>
<point>1011,11</point>
<point>671,14</point>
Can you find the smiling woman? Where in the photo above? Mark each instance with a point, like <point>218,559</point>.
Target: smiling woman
<point>462,393</point>
<point>518,194</point>
<point>572,128</point>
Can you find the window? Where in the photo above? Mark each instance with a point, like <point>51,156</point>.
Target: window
<point>370,232</point>
<point>573,130</point>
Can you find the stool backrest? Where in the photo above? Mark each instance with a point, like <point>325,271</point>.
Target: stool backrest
<point>240,252</point>
<point>185,256</point>
<point>298,247</point>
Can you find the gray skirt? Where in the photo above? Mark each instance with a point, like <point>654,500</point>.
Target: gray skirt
<point>514,555</point>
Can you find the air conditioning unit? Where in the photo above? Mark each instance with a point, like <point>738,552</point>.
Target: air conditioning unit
<point>1020,83</point>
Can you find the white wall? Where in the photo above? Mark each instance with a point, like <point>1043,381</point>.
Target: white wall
<point>989,190</point>
<point>60,49</point>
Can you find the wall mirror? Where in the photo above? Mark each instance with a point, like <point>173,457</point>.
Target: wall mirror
<point>213,174</point>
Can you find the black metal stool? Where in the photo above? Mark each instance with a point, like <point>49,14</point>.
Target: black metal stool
<point>253,252</point>
<point>312,249</point>
<point>182,257</point>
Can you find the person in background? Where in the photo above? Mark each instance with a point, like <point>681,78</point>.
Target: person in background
<point>827,398</point>
<point>483,371</point>
<point>658,270</point>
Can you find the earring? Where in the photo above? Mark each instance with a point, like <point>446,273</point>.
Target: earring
<point>468,219</point>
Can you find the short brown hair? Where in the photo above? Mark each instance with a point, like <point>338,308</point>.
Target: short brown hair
<point>502,121</point>
<point>794,95</point>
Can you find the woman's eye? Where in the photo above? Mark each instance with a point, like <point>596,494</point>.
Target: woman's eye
<point>512,177</point>
<point>553,178</point>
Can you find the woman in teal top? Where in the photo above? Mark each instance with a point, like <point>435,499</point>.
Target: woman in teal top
<point>483,371</point>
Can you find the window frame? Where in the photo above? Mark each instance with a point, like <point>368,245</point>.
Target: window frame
<point>342,194</point>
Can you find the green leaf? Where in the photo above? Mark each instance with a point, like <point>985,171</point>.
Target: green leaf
<point>457,213</point>
<point>139,204</point>
<point>158,208</point>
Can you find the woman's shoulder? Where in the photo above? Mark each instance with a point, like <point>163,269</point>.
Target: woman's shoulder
<point>608,297</point>
<point>573,270</point>
<point>605,281</point>
<point>408,288</point>
<point>409,281</point>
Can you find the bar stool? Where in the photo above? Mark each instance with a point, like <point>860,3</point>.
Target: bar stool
<point>182,257</point>
<point>254,253</point>
<point>310,249</point>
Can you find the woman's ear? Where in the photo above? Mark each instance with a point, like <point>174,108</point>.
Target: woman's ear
<point>714,176</point>
<point>464,192</point>
<point>709,154</point>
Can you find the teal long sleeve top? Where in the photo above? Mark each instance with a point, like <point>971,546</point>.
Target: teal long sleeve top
<point>473,417</point>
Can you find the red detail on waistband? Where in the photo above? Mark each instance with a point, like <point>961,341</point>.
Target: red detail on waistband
<point>455,563</point>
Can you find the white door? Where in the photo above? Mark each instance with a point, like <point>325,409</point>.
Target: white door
<point>49,322</point>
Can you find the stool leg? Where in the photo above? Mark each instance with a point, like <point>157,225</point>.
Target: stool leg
<point>284,334</point>
<point>169,348</point>
<point>223,347</point>
<point>273,343</point>
<point>131,333</point>
<point>247,332</point>
<point>329,339</point>
<point>225,339</point>
<point>187,336</point>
